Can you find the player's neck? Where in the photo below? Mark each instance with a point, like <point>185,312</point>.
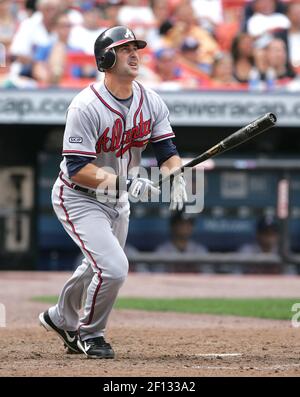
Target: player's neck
<point>119,88</point>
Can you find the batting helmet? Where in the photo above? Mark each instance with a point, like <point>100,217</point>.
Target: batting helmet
<point>104,45</point>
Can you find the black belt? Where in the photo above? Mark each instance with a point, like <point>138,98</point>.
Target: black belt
<point>77,187</point>
<point>84,190</point>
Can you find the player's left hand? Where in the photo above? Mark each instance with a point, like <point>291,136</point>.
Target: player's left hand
<point>178,193</point>
<point>141,188</point>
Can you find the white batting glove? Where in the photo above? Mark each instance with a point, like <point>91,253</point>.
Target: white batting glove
<point>178,193</point>
<point>140,188</point>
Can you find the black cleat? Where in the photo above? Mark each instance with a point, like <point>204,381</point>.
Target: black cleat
<point>69,337</point>
<point>69,351</point>
<point>96,348</point>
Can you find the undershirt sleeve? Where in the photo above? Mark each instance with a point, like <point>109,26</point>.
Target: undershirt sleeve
<point>75,163</point>
<point>163,150</point>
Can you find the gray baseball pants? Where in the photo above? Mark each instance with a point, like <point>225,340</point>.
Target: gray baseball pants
<point>100,232</point>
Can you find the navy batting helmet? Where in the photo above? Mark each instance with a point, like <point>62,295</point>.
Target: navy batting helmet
<point>104,45</point>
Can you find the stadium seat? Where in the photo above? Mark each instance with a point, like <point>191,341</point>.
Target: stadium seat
<point>75,59</point>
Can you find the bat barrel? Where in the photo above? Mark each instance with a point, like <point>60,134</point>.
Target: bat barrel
<point>257,126</point>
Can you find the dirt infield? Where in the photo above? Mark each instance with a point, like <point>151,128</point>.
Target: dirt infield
<point>154,344</point>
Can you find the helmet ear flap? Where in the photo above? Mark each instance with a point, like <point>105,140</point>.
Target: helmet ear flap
<point>107,60</point>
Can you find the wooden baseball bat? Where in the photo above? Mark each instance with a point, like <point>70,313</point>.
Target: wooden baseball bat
<point>252,129</point>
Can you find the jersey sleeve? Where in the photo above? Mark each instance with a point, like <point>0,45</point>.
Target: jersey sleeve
<point>80,134</point>
<point>161,128</point>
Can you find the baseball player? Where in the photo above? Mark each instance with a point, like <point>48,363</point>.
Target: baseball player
<point>108,124</point>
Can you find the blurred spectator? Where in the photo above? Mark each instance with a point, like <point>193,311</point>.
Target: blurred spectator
<point>73,11</point>
<point>50,61</point>
<point>25,9</point>
<point>271,64</point>
<point>111,12</point>
<point>276,57</point>
<point>83,36</point>
<point>291,36</point>
<point>259,52</point>
<point>242,54</point>
<point>249,10</point>
<point>186,26</point>
<point>133,14</point>
<point>267,237</point>
<point>2,58</point>
<point>265,18</point>
<point>191,54</point>
<point>181,230</point>
<point>267,242</point>
<point>162,23</point>
<point>166,65</point>
<point>7,23</point>
<point>222,71</point>
<point>208,12</point>
<point>160,10</point>
<point>170,75</point>
<point>33,32</point>
<point>163,40</point>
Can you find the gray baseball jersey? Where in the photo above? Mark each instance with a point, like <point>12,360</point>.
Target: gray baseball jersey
<point>100,126</point>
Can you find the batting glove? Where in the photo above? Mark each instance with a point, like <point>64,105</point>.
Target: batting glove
<point>178,193</point>
<point>140,188</point>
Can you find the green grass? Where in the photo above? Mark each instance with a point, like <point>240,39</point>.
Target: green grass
<point>271,308</point>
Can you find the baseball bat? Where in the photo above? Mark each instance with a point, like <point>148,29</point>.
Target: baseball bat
<point>247,132</point>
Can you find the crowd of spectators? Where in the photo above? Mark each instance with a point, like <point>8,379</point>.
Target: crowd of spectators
<point>192,44</point>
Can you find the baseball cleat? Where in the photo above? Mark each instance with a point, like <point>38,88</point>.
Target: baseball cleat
<point>69,351</point>
<point>69,337</point>
<point>96,348</point>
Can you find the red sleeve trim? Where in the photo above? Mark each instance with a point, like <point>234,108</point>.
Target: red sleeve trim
<point>161,137</point>
<point>93,154</point>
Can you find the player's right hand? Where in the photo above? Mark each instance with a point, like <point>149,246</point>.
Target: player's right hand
<point>141,188</point>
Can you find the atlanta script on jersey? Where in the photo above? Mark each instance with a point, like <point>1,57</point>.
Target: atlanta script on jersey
<point>100,126</point>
